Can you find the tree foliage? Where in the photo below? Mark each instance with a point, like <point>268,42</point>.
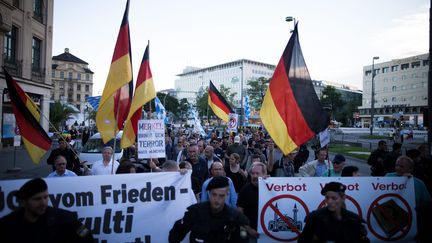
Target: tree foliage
<point>256,92</point>
<point>331,100</point>
<point>59,113</point>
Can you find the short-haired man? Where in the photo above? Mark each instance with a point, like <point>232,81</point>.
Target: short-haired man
<point>210,157</point>
<point>213,220</point>
<point>104,166</point>
<point>199,166</point>
<point>60,166</point>
<point>376,159</point>
<point>217,169</point>
<point>35,221</point>
<point>316,167</point>
<point>247,201</point>
<point>72,161</point>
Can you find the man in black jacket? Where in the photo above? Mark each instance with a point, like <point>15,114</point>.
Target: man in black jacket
<point>213,220</point>
<point>35,221</point>
<point>376,159</point>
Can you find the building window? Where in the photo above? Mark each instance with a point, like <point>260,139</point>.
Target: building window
<point>61,74</point>
<point>79,87</point>
<point>79,76</point>
<point>415,64</point>
<point>404,66</point>
<point>425,62</point>
<point>10,47</point>
<point>385,69</point>
<point>394,88</point>
<point>376,71</point>
<point>367,73</point>
<point>394,68</point>
<point>37,9</point>
<point>36,54</point>
<point>87,77</point>
<point>78,97</point>
<point>393,99</point>
<point>53,74</point>
<point>403,77</point>
<point>87,88</point>
<point>70,75</point>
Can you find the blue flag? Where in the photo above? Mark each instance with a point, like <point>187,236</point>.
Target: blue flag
<point>247,109</point>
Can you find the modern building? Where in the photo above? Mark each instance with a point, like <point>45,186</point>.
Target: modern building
<point>400,91</point>
<point>231,74</point>
<point>26,39</point>
<point>72,80</point>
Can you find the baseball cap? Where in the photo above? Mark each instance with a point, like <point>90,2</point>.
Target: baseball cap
<point>339,158</point>
<point>237,139</point>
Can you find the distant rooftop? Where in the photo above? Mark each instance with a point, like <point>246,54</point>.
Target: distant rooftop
<point>68,57</point>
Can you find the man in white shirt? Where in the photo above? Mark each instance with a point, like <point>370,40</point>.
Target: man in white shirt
<point>60,168</point>
<point>104,166</point>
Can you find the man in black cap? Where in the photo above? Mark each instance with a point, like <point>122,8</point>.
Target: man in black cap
<point>338,165</point>
<point>213,220</point>
<point>35,221</point>
<point>333,223</point>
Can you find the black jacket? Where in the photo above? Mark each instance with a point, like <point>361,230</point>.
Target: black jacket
<point>207,227</point>
<point>55,225</point>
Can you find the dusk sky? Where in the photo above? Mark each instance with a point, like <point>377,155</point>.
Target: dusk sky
<point>337,37</point>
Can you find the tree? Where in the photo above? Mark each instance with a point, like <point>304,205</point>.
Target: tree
<point>331,100</point>
<point>182,108</point>
<point>59,113</point>
<point>202,100</point>
<point>256,92</point>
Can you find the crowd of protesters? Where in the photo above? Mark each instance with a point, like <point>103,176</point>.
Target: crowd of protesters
<point>245,156</point>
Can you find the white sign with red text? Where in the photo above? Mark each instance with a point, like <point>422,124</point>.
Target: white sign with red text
<point>284,203</point>
<point>151,139</point>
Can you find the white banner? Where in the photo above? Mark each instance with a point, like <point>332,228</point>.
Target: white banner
<point>324,137</point>
<point>151,139</point>
<point>232,122</point>
<point>117,208</point>
<point>290,199</point>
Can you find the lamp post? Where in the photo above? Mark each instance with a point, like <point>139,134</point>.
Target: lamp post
<point>241,97</point>
<point>289,19</point>
<point>372,111</point>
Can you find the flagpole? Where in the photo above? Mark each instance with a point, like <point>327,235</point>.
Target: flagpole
<point>115,133</point>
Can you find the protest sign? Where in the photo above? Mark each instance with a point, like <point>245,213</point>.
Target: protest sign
<point>151,139</point>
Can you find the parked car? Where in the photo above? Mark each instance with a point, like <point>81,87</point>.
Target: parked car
<point>92,150</point>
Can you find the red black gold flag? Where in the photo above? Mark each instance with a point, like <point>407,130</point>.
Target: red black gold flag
<point>116,98</point>
<point>144,92</point>
<point>291,111</point>
<point>35,139</point>
<point>219,105</point>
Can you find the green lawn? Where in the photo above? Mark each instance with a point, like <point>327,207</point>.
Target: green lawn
<point>351,151</point>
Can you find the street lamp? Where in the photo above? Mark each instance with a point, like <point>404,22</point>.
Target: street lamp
<point>372,111</point>
<point>241,97</point>
<point>289,19</point>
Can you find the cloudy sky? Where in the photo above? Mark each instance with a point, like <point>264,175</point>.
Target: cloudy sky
<point>338,37</point>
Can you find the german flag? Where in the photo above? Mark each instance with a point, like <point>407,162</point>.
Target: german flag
<point>144,92</point>
<point>116,97</point>
<point>291,111</point>
<point>35,139</point>
<point>219,105</point>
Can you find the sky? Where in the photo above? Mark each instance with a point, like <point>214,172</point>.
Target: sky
<point>338,37</point>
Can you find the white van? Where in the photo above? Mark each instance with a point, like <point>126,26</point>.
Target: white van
<point>92,150</point>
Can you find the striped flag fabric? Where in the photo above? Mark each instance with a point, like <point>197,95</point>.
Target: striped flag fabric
<point>218,104</point>
<point>246,109</point>
<point>144,92</point>
<point>291,111</point>
<point>116,97</point>
<point>27,116</point>
<point>160,109</point>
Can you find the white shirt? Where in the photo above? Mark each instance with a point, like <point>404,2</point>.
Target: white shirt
<point>99,168</point>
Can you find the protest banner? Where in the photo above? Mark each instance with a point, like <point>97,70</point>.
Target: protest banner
<point>151,139</point>
<point>232,122</point>
<point>285,202</point>
<point>117,208</point>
